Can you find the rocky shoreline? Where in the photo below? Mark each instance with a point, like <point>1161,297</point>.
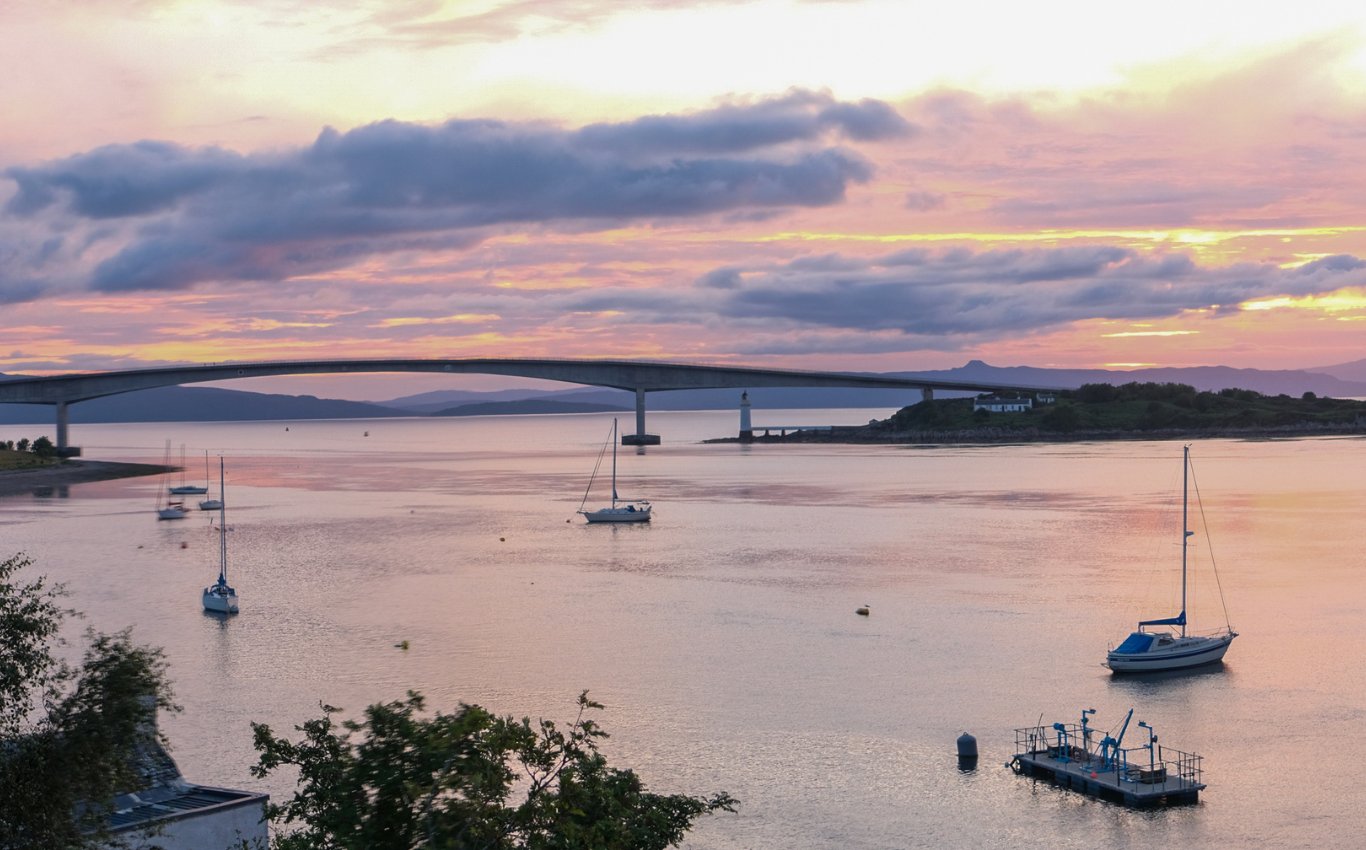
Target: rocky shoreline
<point>19,481</point>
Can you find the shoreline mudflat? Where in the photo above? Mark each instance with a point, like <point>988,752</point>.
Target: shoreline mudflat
<point>18,481</point>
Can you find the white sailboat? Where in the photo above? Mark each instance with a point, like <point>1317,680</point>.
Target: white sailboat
<point>183,489</point>
<point>1172,648</point>
<point>165,507</point>
<point>172,510</point>
<point>221,597</point>
<point>621,510</point>
<point>210,504</point>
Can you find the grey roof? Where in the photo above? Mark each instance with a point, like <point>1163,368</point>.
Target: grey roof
<point>187,801</point>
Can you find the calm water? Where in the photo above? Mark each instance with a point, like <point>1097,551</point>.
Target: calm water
<point>722,638</point>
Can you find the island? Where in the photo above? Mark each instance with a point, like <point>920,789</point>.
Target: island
<point>1142,411</point>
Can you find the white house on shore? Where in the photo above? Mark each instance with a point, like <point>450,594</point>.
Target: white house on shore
<point>170,813</point>
<point>1002,404</point>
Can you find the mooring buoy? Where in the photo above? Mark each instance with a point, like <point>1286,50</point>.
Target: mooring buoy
<point>967,751</point>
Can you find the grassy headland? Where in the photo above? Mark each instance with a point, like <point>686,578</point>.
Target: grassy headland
<point>1104,411</point>
<point>10,459</point>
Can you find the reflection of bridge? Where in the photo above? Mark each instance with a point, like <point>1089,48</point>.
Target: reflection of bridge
<point>639,377</point>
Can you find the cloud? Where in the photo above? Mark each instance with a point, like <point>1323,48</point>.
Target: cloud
<point>985,294</point>
<point>797,116</point>
<point>122,180</point>
<point>176,216</point>
<point>1269,141</point>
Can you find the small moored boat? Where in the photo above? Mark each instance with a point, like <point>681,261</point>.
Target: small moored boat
<point>620,510</point>
<point>220,597</point>
<point>1145,651</point>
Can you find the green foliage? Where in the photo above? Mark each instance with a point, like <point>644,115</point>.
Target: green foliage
<point>68,734</point>
<point>1134,407</point>
<point>29,622</point>
<point>1062,417</point>
<point>398,780</point>
<point>43,447</point>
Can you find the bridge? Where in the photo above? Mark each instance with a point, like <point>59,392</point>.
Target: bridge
<point>640,377</point>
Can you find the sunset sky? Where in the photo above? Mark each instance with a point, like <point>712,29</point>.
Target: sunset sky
<point>845,185</point>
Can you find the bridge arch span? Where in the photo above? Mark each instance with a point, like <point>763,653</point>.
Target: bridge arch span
<point>636,376</point>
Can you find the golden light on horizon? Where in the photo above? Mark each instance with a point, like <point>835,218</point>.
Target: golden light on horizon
<point>1346,300</point>
<point>1122,334</point>
<point>457,319</point>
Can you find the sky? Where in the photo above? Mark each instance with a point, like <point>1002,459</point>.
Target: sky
<point>852,185</point>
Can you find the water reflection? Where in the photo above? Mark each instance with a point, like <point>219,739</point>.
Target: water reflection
<point>1147,683</point>
<point>721,636</point>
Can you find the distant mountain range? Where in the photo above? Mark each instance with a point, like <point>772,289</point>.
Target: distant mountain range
<point>193,404</point>
<point>199,404</point>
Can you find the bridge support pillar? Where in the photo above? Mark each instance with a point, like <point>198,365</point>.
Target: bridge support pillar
<point>927,394</point>
<point>63,424</point>
<point>640,438</point>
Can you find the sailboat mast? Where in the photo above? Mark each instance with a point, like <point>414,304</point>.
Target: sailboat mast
<point>614,462</point>
<point>1185,527</point>
<point>222,527</point>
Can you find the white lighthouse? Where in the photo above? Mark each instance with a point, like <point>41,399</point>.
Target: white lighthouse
<point>746,429</point>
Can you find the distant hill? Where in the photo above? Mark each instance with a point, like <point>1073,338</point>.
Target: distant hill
<point>509,408</point>
<point>438,400</point>
<point>1203,378</point>
<point>199,404</point>
<point>1354,371</point>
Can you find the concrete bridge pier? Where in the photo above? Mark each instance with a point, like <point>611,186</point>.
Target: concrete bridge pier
<point>640,438</point>
<point>927,393</point>
<point>63,424</point>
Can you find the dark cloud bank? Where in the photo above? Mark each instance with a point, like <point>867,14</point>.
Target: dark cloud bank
<point>927,295</point>
<point>176,217</point>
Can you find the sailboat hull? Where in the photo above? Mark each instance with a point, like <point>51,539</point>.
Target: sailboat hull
<point>617,515</point>
<point>1175,654</point>
<point>221,603</point>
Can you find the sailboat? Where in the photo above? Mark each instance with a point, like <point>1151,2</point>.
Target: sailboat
<point>621,510</point>
<point>1173,648</point>
<point>184,489</point>
<point>220,596</point>
<point>166,508</point>
<point>210,504</point>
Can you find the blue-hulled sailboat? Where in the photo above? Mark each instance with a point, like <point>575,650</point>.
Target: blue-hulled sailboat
<point>1145,651</point>
<point>221,597</point>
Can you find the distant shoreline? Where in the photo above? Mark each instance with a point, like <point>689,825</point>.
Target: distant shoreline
<point>864,435</point>
<point>14,482</point>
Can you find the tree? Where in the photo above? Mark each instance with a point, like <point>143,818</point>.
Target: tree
<point>398,780</point>
<point>43,447</point>
<point>69,735</point>
<point>22,445</point>
<point>1062,418</point>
